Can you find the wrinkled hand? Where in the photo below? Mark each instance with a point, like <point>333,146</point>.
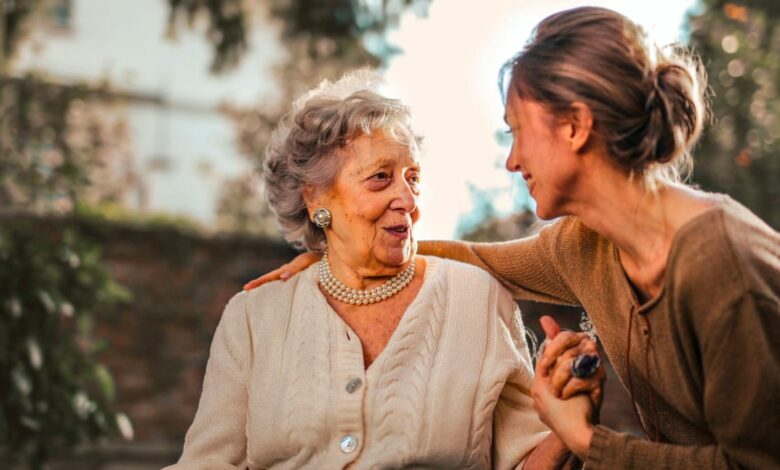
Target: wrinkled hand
<point>285,271</point>
<point>560,350</point>
<point>567,404</point>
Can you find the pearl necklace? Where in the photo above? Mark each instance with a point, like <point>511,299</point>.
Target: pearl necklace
<point>343,293</point>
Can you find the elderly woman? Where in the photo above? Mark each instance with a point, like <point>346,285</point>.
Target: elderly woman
<point>373,357</point>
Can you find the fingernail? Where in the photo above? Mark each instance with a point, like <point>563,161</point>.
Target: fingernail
<point>285,275</point>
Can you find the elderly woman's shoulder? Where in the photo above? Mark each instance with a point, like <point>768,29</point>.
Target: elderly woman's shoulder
<point>278,289</point>
<point>455,266</point>
<point>463,274</point>
<point>473,285</point>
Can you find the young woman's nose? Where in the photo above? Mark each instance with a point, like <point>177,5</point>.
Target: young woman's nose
<point>512,162</point>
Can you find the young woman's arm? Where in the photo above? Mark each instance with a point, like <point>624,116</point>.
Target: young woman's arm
<point>527,266</point>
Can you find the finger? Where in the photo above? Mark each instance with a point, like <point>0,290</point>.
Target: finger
<point>585,385</point>
<point>575,386</point>
<point>265,278</point>
<point>560,376</point>
<point>563,363</point>
<point>557,346</point>
<point>550,326</point>
<point>582,349</point>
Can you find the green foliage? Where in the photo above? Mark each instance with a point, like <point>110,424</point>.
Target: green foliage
<point>325,28</point>
<point>52,393</point>
<point>740,152</point>
<point>226,27</point>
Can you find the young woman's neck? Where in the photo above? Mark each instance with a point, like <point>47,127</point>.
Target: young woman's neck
<point>634,218</point>
<point>641,223</point>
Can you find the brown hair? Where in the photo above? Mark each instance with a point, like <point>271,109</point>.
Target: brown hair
<point>648,103</point>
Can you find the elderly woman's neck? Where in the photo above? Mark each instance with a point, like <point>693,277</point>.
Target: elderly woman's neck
<point>363,273</point>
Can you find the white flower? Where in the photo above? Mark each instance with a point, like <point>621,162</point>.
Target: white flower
<point>46,301</point>
<point>72,259</point>
<point>82,405</point>
<point>34,351</point>
<point>15,307</point>
<point>66,309</point>
<point>30,423</point>
<point>125,426</point>
<point>21,381</point>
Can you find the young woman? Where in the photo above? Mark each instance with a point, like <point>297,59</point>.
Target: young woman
<point>682,286</point>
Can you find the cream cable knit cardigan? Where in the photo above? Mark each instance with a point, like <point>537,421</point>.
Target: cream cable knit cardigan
<point>285,385</point>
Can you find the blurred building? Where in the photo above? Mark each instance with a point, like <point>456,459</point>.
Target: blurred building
<point>183,147</point>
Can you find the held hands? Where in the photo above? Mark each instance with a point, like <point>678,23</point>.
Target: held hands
<point>285,271</point>
<point>567,404</point>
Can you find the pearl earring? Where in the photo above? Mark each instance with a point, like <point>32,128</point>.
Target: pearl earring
<point>321,217</point>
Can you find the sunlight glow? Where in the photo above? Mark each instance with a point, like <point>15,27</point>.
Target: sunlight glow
<point>448,74</point>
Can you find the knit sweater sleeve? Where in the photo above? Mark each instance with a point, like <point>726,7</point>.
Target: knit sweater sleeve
<point>741,388</point>
<point>517,429</point>
<point>217,437</point>
<point>528,267</point>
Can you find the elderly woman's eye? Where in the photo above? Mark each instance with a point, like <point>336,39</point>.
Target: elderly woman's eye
<point>381,176</point>
<point>414,178</point>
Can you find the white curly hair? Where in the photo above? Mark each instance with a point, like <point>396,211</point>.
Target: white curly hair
<point>305,149</point>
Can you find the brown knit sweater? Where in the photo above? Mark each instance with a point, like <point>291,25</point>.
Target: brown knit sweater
<point>702,359</point>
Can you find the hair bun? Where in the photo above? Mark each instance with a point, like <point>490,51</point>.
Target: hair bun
<point>675,112</point>
<point>647,102</point>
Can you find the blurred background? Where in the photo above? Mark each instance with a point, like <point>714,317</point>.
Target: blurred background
<point>131,144</point>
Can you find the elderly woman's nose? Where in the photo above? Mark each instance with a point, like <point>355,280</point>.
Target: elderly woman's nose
<point>405,197</point>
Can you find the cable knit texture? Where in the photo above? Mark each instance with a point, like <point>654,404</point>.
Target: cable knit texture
<point>704,362</point>
<point>450,389</point>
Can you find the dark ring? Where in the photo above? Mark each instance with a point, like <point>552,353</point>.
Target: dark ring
<point>585,365</point>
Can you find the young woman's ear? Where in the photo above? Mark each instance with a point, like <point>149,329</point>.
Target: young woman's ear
<point>580,126</point>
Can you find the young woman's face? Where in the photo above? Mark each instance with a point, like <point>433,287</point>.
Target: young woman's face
<point>543,154</point>
<point>374,204</point>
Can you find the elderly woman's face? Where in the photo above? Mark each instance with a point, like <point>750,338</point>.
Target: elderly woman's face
<point>374,204</point>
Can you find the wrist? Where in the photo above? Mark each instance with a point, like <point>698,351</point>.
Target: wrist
<point>580,442</point>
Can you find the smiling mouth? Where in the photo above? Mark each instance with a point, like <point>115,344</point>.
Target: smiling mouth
<point>399,231</point>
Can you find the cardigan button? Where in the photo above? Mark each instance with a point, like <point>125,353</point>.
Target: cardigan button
<point>348,444</point>
<point>353,385</point>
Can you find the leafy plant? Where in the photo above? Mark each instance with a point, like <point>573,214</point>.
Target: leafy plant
<point>52,392</point>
